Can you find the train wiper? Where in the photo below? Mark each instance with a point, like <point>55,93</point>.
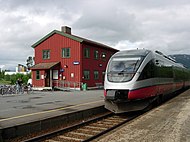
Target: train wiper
<point>128,70</point>
<point>124,70</point>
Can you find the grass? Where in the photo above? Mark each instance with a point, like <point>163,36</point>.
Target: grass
<point>2,81</point>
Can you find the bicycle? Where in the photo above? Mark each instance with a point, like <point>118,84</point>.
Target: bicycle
<point>28,88</point>
<point>8,89</point>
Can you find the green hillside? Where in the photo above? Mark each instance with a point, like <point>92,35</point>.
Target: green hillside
<point>182,58</point>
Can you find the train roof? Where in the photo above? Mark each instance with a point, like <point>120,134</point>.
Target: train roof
<point>169,59</point>
<point>138,52</point>
<point>144,52</point>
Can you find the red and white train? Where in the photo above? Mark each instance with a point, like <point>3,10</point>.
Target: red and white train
<point>136,78</point>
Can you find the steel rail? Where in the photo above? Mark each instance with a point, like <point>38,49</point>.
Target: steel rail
<point>56,133</point>
<point>66,129</point>
<point>112,128</point>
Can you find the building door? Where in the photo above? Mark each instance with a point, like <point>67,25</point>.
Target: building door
<point>47,78</point>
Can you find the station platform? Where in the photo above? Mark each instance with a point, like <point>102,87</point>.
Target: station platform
<point>169,122</point>
<point>21,114</point>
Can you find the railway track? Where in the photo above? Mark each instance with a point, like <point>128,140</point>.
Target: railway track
<point>86,131</point>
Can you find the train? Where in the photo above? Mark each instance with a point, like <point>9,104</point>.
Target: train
<point>136,78</point>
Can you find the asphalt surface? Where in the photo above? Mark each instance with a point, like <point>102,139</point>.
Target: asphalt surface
<point>23,108</point>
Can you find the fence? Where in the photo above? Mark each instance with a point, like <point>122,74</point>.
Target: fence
<point>67,85</point>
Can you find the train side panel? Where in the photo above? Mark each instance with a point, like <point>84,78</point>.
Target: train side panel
<point>156,75</point>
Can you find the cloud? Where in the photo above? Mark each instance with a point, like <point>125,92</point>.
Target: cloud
<point>122,24</point>
<point>108,23</point>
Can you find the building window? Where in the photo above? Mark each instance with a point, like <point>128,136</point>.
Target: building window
<point>95,54</point>
<point>46,54</point>
<point>66,53</point>
<point>103,56</point>
<point>86,52</point>
<point>37,75</point>
<point>96,75</point>
<point>86,75</point>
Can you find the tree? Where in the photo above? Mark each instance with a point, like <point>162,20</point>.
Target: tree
<point>14,77</point>
<point>2,74</point>
<point>29,62</point>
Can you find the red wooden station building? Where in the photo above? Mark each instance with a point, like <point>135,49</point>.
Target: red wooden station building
<point>65,60</point>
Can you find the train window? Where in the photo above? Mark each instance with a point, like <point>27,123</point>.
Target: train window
<point>178,74</point>
<point>125,64</point>
<point>149,71</point>
<point>165,72</point>
<point>122,69</point>
<point>157,69</point>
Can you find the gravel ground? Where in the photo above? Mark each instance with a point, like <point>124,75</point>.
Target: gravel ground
<point>167,123</point>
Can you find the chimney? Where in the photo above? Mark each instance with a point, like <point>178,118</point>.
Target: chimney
<point>66,29</point>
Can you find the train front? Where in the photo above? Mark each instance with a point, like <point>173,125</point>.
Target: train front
<point>122,73</point>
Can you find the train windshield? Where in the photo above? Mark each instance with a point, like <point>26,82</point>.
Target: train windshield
<point>122,69</point>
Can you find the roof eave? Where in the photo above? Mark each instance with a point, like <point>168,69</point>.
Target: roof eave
<point>99,44</point>
<point>56,32</point>
<point>44,67</point>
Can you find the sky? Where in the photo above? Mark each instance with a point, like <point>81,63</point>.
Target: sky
<point>162,25</point>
